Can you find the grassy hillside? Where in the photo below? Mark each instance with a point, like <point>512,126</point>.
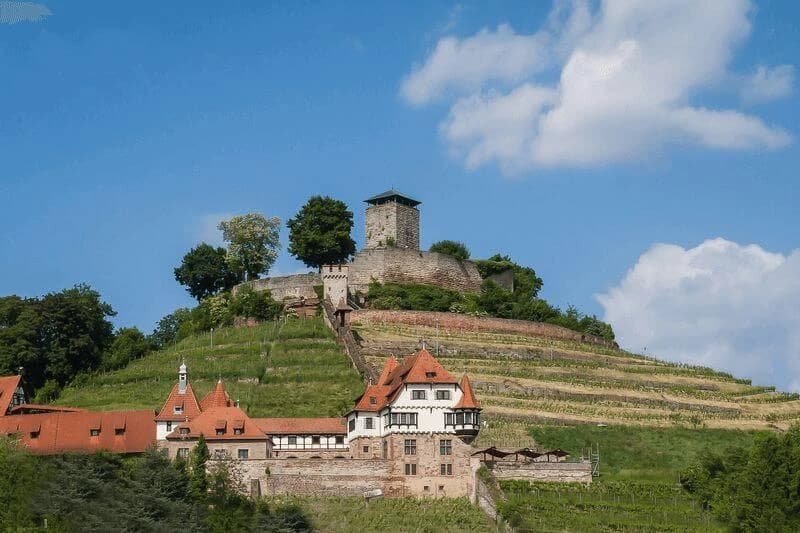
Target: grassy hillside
<point>536,379</point>
<point>292,368</point>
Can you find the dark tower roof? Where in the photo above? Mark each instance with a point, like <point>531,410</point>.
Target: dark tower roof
<point>392,196</point>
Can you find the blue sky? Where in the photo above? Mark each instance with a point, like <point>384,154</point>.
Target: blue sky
<point>126,130</point>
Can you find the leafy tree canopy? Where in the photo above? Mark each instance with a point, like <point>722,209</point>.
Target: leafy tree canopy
<point>129,344</point>
<point>526,283</point>
<point>319,234</point>
<point>54,337</point>
<point>205,272</point>
<point>253,243</point>
<point>166,332</point>
<point>458,250</point>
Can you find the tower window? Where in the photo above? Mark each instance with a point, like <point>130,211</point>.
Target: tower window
<point>368,422</point>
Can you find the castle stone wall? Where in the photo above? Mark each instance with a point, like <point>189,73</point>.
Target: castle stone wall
<point>460,323</point>
<point>282,287</point>
<point>389,222</point>
<point>410,266</point>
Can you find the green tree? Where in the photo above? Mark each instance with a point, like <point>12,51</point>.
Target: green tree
<point>198,479</point>
<point>319,234</point>
<point>129,344</point>
<point>166,331</point>
<point>54,337</point>
<point>205,271</point>
<point>255,304</point>
<point>456,249</point>
<point>253,243</point>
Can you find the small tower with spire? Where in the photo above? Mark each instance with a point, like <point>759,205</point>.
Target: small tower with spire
<point>182,378</point>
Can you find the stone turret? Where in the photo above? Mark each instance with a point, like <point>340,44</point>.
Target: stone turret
<point>392,221</point>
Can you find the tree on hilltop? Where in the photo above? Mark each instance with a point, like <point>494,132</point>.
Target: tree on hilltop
<point>253,243</point>
<point>319,234</point>
<point>205,271</point>
<point>456,249</point>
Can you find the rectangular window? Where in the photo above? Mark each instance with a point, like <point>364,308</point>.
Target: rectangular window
<point>34,434</point>
<point>237,431</point>
<point>169,426</point>
<point>119,431</point>
<point>351,425</point>
<point>339,440</point>
<point>178,409</point>
<point>243,453</point>
<point>94,432</point>
<point>315,440</point>
<point>220,432</point>
<point>449,419</point>
<point>365,449</point>
<point>183,452</point>
<point>459,419</point>
<point>385,450</point>
<point>368,423</point>
<point>445,447</point>
<point>184,431</point>
<point>417,394</point>
<point>411,446</point>
<point>403,419</point>
<point>292,441</point>
<point>442,394</point>
<point>446,469</point>
<point>411,469</point>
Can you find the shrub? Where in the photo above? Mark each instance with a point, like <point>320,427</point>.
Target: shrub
<point>453,248</point>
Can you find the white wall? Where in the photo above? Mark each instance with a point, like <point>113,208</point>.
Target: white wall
<point>305,442</point>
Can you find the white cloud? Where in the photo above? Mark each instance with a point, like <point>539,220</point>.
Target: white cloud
<point>720,304</point>
<point>767,84</point>
<point>14,12</point>
<point>627,76</point>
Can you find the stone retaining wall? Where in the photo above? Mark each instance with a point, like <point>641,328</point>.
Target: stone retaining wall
<point>460,323</point>
<point>542,471</point>
<point>397,265</point>
<point>282,287</point>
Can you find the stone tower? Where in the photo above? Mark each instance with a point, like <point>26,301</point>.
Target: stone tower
<point>392,221</point>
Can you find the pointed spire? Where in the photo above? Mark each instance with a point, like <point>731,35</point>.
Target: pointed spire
<point>216,398</point>
<point>388,368</point>
<point>468,400</point>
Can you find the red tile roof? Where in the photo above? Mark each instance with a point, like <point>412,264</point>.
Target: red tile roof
<point>216,398</point>
<point>32,408</point>
<point>468,400</point>
<point>49,433</point>
<point>301,426</point>
<point>8,386</point>
<point>187,400</point>
<point>422,367</point>
<point>226,419</point>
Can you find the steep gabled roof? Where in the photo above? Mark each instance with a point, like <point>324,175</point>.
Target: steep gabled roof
<point>468,400</point>
<point>187,400</point>
<point>301,426</point>
<point>8,386</point>
<point>422,367</point>
<point>226,419</point>
<point>216,398</point>
<point>59,432</point>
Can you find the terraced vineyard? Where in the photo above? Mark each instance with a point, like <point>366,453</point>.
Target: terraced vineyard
<point>292,368</point>
<point>542,380</point>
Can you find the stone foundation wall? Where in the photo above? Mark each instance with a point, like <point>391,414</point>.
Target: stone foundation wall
<point>537,471</point>
<point>321,477</point>
<point>399,265</point>
<point>257,449</point>
<point>460,323</point>
<point>282,287</point>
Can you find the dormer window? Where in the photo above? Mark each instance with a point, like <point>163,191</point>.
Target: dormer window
<point>220,431</point>
<point>94,432</point>
<point>430,375</point>
<point>237,431</point>
<point>373,400</point>
<point>119,431</point>
<point>34,434</point>
<point>178,410</point>
<point>184,431</point>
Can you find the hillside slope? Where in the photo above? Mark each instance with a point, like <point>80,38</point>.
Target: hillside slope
<point>537,379</point>
<point>291,368</point>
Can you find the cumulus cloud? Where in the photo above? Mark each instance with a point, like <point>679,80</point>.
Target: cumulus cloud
<point>14,12</point>
<point>767,84</point>
<point>626,77</point>
<point>719,304</point>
